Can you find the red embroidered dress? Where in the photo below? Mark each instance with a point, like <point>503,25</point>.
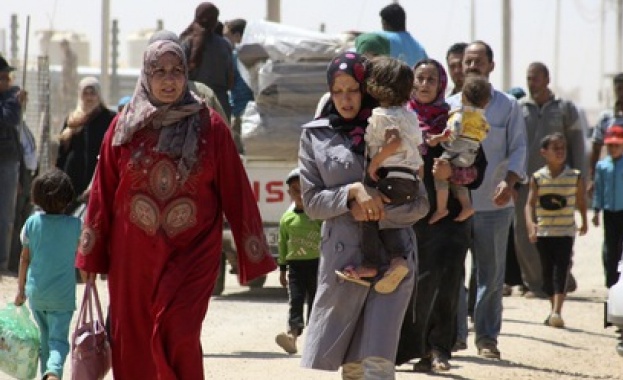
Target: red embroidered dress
<point>159,240</point>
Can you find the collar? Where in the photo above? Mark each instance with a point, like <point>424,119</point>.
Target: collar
<point>318,123</point>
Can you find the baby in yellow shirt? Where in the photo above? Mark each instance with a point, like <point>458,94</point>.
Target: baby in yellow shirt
<point>467,127</point>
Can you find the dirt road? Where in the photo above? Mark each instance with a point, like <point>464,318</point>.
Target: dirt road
<point>239,331</point>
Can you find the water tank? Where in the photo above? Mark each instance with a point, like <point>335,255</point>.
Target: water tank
<point>50,45</point>
<point>136,44</point>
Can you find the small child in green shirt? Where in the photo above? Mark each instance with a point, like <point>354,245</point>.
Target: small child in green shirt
<point>299,252</point>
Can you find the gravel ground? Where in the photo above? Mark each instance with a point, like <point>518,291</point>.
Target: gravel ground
<point>239,331</point>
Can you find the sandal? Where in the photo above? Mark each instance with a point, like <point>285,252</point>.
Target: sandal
<point>349,274</point>
<point>391,279</point>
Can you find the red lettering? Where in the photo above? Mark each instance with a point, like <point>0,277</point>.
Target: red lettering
<point>256,190</point>
<point>275,191</point>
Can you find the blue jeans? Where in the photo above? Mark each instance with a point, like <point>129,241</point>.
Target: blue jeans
<point>490,240</point>
<point>9,178</point>
<point>54,334</point>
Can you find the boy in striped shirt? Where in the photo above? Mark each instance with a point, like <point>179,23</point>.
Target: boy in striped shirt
<point>556,191</point>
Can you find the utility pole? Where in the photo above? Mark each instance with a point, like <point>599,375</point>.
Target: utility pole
<point>104,56</point>
<point>507,51</point>
<point>273,10</point>
<point>618,39</point>
<point>472,21</point>
<point>555,68</point>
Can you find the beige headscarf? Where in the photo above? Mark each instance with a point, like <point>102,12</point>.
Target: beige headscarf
<point>178,122</point>
<point>82,113</point>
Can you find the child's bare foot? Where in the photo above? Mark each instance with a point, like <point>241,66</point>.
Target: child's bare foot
<point>366,272</point>
<point>437,216</point>
<point>465,214</point>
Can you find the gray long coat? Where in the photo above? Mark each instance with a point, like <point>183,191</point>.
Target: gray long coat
<point>349,322</point>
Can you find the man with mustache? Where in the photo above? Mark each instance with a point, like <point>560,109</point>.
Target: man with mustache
<point>505,149</point>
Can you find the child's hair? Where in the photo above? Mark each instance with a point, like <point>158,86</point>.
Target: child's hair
<point>389,80</point>
<point>547,140</point>
<point>52,191</point>
<point>477,90</point>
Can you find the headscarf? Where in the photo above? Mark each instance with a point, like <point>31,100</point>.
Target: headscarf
<point>82,114</point>
<point>352,64</point>
<point>433,116</point>
<point>206,17</point>
<point>178,122</point>
<point>94,84</point>
<point>372,43</point>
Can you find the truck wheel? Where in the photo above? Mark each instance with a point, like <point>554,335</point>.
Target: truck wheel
<point>219,286</point>
<point>258,283</point>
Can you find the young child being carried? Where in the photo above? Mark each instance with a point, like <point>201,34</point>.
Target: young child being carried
<point>46,270</point>
<point>467,128</point>
<point>392,139</point>
<point>556,191</point>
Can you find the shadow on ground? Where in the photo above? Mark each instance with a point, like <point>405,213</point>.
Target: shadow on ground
<point>266,294</point>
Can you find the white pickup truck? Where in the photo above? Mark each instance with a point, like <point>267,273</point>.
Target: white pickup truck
<point>267,179</point>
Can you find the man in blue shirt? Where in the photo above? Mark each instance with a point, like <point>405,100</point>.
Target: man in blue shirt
<point>505,149</point>
<point>241,93</point>
<point>401,44</point>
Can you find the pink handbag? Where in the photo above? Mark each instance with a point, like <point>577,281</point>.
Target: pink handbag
<point>90,351</point>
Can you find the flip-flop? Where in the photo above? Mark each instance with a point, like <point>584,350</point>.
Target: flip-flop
<point>390,281</point>
<point>355,280</point>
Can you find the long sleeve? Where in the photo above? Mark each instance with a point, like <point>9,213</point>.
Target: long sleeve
<point>321,201</point>
<point>10,110</point>
<point>93,255</point>
<point>517,141</point>
<point>239,206</point>
<point>574,133</point>
<point>63,151</point>
<point>283,244</point>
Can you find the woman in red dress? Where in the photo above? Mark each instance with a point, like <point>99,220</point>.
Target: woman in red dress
<point>168,170</point>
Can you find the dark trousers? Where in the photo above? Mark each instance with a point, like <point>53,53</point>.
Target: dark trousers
<point>512,276</point>
<point>613,245</point>
<point>431,319</point>
<point>302,283</point>
<point>373,240</point>
<point>555,253</point>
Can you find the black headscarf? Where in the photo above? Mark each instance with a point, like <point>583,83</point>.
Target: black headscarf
<point>206,17</point>
<point>352,64</point>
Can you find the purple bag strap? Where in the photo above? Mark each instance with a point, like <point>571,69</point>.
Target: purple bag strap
<point>90,296</point>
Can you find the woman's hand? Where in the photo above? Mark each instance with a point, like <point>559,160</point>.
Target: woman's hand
<point>366,207</point>
<point>442,169</point>
<point>76,120</point>
<point>283,280</point>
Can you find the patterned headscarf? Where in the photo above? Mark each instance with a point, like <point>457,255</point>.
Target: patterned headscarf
<point>433,116</point>
<point>206,18</point>
<point>352,64</point>
<point>178,122</point>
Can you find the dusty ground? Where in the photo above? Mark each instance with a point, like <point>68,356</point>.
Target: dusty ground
<point>238,334</point>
